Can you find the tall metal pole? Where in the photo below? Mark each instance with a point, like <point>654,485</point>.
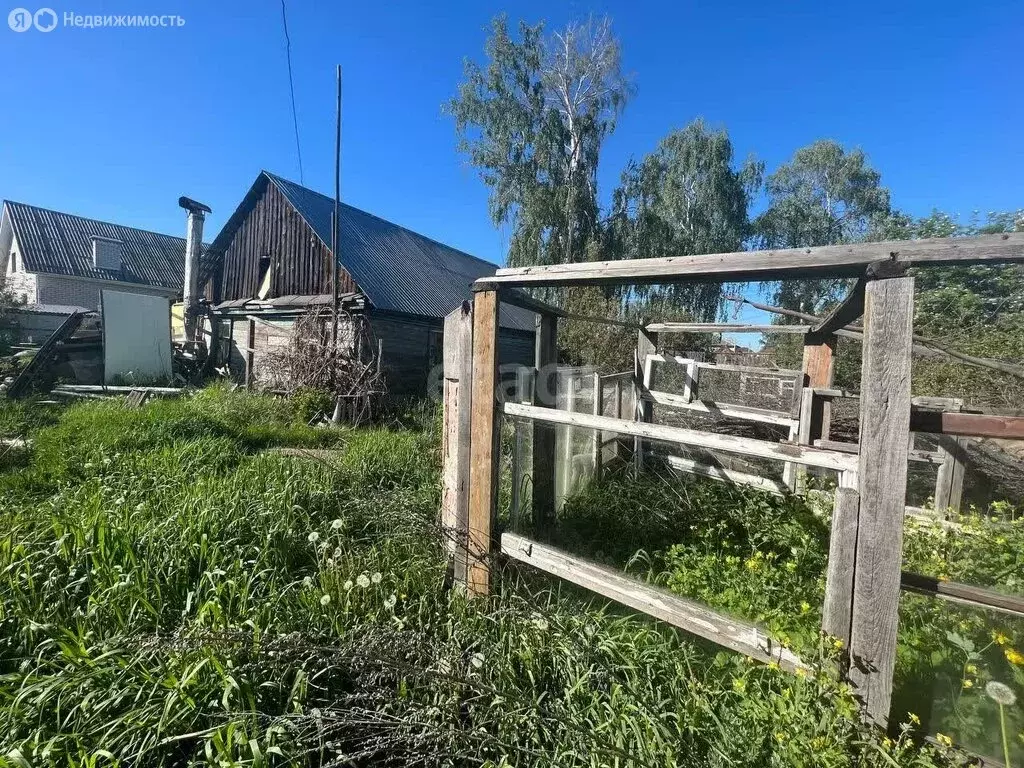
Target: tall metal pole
<point>336,227</point>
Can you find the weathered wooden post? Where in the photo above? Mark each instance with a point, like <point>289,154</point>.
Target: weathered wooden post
<point>457,403</point>
<point>837,612</point>
<point>646,344</point>
<point>814,414</point>
<point>882,485</point>
<point>546,363</point>
<point>523,394</point>
<point>598,436</point>
<point>483,456</point>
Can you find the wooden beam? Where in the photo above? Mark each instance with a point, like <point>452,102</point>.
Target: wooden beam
<point>731,476</point>
<point>968,424</point>
<point>744,446</point>
<point>597,437</point>
<point>724,410</point>
<point>882,472</point>
<point>689,615</point>
<point>850,309</point>
<point>837,612</point>
<point>545,382</point>
<point>851,260</point>
<point>483,457</point>
<point>457,435</point>
<point>965,594</point>
<point>724,328</point>
<point>646,345</point>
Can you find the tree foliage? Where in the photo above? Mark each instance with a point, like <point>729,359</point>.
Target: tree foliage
<point>532,121</point>
<point>686,197</point>
<point>825,195</point>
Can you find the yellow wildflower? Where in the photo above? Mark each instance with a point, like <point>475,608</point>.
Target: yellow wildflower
<point>968,683</point>
<point>943,739</point>
<point>739,685</point>
<point>887,742</point>
<point>837,643</point>
<point>915,719</point>
<point>999,638</point>
<point>805,607</point>
<point>1014,656</point>
<point>970,669</point>
<point>800,672</point>
<point>781,736</point>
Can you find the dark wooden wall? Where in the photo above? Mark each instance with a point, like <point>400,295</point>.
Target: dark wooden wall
<point>300,263</point>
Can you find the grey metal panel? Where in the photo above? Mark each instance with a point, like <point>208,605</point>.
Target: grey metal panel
<point>60,243</point>
<point>398,270</point>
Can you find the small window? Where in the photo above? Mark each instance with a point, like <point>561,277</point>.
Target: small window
<point>264,284</point>
<point>14,261</point>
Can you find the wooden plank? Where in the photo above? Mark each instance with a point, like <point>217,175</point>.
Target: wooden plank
<point>598,438</point>
<point>524,394</point>
<point>731,476</point>
<point>710,407</point>
<point>458,430</point>
<point>837,612</point>
<point>968,424</point>
<point>544,393</point>
<point>882,471</point>
<point>483,456</point>
<point>689,615</point>
<point>745,446</point>
<point>850,260</point>
<point>818,369</point>
<point>965,594</point>
<point>927,457</point>
<point>850,309</point>
<point>783,373</point>
<point>646,345</point>
<point>725,328</point>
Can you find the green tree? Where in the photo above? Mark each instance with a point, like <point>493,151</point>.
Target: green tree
<point>824,195</point>
<point>686,197</point>
<point>532,121</point>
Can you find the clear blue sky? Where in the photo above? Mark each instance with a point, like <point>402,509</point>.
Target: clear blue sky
<point>117,123</point>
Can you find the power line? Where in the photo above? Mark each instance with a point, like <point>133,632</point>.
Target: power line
<point>291,86</point>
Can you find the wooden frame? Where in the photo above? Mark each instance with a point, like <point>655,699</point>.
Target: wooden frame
<point>863,594</point>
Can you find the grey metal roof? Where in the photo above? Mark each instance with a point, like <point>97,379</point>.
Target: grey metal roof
<point>61,243</point>
<point>399,270</point>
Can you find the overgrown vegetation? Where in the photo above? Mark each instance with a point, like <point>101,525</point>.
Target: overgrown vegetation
<point>175,594</point>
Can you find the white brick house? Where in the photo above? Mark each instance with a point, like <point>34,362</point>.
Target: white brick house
<point>49,257</point>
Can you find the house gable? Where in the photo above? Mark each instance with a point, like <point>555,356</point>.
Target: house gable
<point>267,244</point>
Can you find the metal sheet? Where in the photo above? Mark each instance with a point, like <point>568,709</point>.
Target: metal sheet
<point>136,338</point>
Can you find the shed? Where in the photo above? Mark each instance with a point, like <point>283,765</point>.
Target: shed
<point>276,247</point>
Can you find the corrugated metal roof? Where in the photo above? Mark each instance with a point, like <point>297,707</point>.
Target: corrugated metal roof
<point>61,244</point>
<point>399,270</point>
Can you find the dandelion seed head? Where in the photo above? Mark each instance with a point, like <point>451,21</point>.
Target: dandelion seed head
<point>313,537</point>
<point>1001,693</point>
<point>325,600</point>
<point>336,524</point>
<point>347,585</point>
<point>376,578</point>
<point>363,580</point>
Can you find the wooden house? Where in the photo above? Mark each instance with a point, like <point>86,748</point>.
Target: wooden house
<point>272,262</point>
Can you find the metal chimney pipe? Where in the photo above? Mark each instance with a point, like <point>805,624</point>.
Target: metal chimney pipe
<point>193,250</point>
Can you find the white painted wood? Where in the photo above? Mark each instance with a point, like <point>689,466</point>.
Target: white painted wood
<point>731,476</point>
<point>688,615</point>
<point>812,457</point>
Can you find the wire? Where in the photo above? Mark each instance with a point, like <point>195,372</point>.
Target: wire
<point>291,86</point>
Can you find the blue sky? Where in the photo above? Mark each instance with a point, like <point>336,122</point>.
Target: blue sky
<point>117,123</point>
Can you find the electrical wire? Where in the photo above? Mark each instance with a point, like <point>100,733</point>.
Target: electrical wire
<point>291,86</point>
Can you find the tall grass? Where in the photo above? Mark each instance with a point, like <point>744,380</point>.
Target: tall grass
<point>174,594</point>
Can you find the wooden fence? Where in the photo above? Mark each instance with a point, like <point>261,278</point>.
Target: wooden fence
<point>864,576</point>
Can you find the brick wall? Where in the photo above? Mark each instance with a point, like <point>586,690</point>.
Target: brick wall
<point>22,283</point>
<point>70,291</point>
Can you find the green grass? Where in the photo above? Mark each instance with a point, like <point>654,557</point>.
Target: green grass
<point>174,594</point>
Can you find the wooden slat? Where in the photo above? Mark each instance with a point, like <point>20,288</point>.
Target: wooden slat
<point>782,373</point>
<point>712,408</point>
<point>731,476</point>
<point>965,594</point>
<point>968,424</point>
<point>745,446</point>
<point>646,347</point>
<point>882,471</point>
<point>725,328</point>
<point>838,609</point>
<point>483,452</point>
<point>546,364</point>
<point>851,260</point>
<point>688,615</point>
<point>850,309</point>
<point>598,437</point>
<point>926,457</point>
<point>458,399</point>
